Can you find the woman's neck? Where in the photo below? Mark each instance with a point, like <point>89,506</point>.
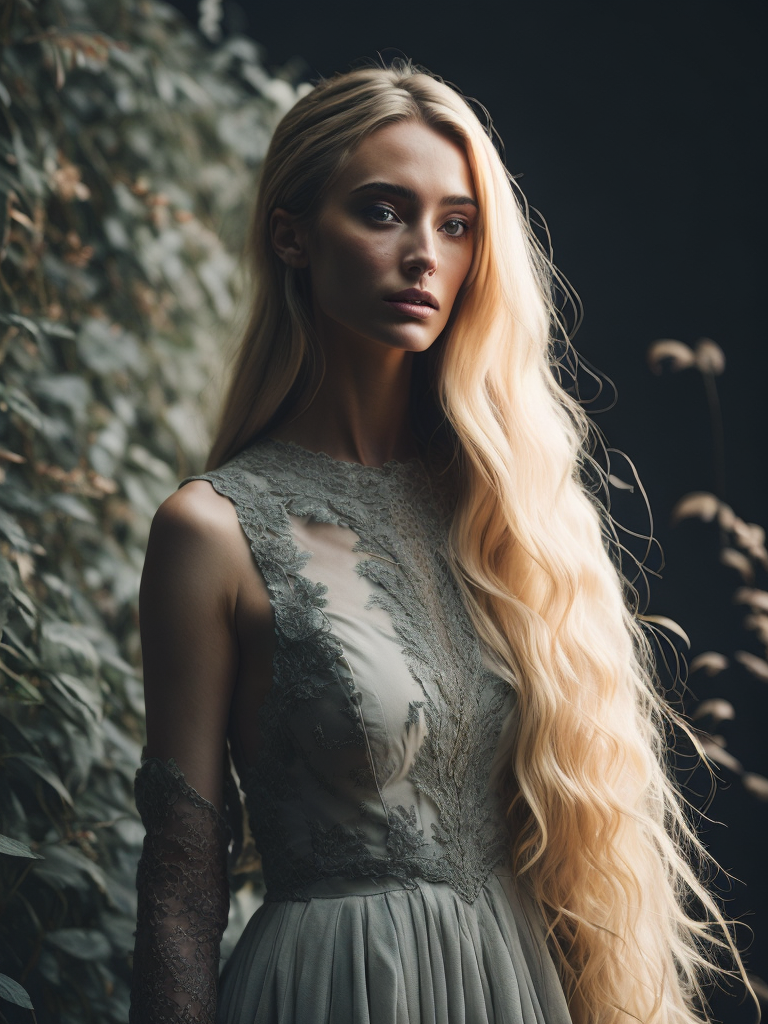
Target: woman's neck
<point>360,409</point>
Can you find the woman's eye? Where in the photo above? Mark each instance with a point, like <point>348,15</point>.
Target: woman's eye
<point>455,227</point>
<point>382,214</point>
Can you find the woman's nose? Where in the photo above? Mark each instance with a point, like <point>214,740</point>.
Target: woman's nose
<point>421,256</point>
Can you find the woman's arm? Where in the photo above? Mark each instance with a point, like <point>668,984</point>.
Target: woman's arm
<point>188,599</point>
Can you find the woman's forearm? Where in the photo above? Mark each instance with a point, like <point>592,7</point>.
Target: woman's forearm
<point>183,900</point>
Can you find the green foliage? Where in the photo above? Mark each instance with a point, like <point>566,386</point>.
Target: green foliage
<point>127,158</point>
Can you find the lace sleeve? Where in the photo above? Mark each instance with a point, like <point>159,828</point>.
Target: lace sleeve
<point>183,900</point>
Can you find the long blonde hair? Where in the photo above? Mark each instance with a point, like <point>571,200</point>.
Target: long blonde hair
<point>598,826</point>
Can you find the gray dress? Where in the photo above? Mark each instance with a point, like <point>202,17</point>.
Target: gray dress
<point>388,895</point>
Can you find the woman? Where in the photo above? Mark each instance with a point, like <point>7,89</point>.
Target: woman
<point>392,595</point>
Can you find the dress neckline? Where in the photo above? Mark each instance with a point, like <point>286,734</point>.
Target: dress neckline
<point>390,467</point>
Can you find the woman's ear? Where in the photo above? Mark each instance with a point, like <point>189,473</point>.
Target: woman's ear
<point>288,238</point>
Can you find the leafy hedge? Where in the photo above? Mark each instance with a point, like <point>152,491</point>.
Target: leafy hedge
<point>127,162</point>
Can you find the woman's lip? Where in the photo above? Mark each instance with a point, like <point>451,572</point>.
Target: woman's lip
<point>412,309</point>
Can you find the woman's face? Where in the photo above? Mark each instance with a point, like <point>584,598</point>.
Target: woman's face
<point>393,240</point>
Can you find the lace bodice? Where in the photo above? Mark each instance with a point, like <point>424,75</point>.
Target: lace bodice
<point>379,732</point>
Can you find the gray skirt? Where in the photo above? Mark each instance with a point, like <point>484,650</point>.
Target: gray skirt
<point>380,953</point>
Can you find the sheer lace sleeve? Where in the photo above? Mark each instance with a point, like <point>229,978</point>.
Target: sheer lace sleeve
<point>183,900</point>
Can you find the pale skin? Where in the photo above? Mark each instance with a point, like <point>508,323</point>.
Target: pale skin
<point>207,628</point>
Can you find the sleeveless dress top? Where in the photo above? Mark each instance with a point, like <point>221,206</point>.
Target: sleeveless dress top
<point>384,849</point>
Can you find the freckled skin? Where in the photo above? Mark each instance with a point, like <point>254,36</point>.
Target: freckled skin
<point>358,254</point>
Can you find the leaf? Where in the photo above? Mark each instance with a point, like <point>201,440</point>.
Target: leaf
<point>715,752</point>
<point>69,865</point>
<point>82,943</point>
<point>67,389</point>
<point>48,966</point>
<point>23,407</point>
<point>748,535</point>
<point>758,623</point>
<point>13,848</point>
<point>757,667</point>
<point>709,357</point>
<point>757,599</point>
<point>726,517</point>
<point>65,646</point>
<point>756,784</point>
<point>667,354</point>
<point>106,348</point>
<point>56,330</point>
<point>716,708</point>
<point>37,766</point>
<point>760,987</point>
<point>14,457</point>
<point>25,691</point>
<point>23,321</point>
<point>145,460</point>
<point>699,504</point>
<point>12,992</point>
<point>72,686</point>
<point>14,533</point>
<point>26,609</point>
<point>738,560</point>
<point>13,638</point>
<point>665,623</point>
<point>7,581</point>
<point>73,507</point>
<point>710,661</point>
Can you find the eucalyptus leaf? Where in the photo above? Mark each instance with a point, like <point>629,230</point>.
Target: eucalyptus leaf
<point>13,848</point>
<point>48,966</point>
<point>12,992</point>
<point>73,507</point>
<point>65,645</point>
<point>105,347</point>
<point>22,405</point>
<point>37,767</point>
<point>143,459</point>
<point>22,321</point>
<point>82,943</point>
<point>13,532</point>
<point>80,703</point>
<point>7,579</point>
<point>55,329</point>
<point>13,636</point>
<point>69,863</point>
<point>68,389</point>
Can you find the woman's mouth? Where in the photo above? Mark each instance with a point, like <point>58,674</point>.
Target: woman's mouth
<point>417,309</point>
<point>414,302</point>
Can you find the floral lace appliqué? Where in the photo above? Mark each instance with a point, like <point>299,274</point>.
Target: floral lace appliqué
<point>400,515</point>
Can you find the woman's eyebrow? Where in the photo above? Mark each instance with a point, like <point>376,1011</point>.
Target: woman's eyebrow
<point>407,193</point>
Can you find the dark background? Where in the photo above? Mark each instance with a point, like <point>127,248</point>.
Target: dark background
<point>638,131</point>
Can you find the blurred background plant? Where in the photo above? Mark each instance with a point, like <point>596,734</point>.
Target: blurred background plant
<point>128,152</point>
<point>726,597</point>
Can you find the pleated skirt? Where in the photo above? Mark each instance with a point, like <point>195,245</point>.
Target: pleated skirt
<point>380,953</point>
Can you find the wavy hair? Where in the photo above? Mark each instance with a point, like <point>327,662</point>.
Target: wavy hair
<point>599,828</point>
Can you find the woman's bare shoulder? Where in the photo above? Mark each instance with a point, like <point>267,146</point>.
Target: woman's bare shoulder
<point>198,527</point>
<point>197,507</point>
<point>197,540</point>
